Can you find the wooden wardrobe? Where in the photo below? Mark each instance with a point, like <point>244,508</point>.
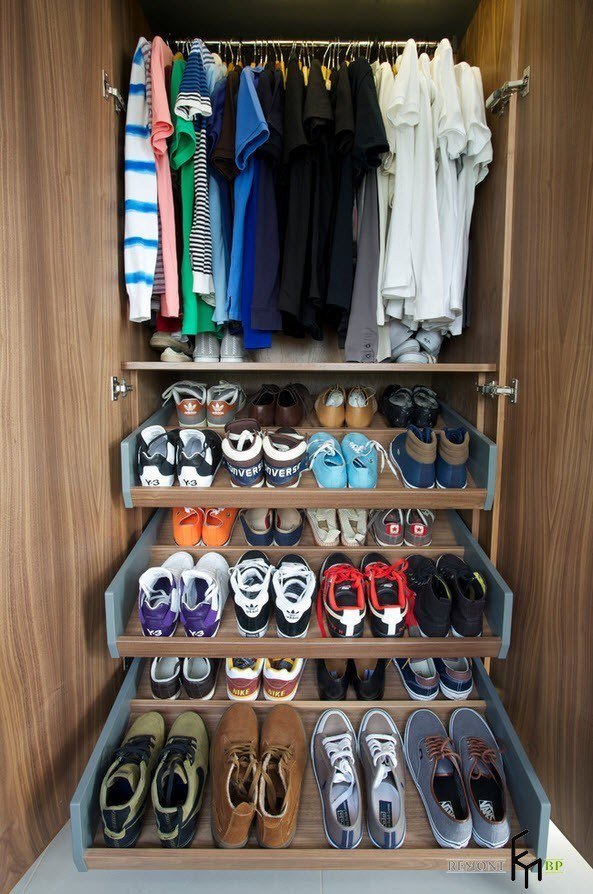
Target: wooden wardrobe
<point>64,334</point>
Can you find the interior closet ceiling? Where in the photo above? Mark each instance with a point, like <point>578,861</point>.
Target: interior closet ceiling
<point>363,19</point>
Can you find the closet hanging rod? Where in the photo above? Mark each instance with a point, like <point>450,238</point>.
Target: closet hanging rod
<point>283,42</point>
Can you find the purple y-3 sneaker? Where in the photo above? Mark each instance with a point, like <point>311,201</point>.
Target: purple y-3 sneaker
<point>158,600</point>
<point>204,590</point>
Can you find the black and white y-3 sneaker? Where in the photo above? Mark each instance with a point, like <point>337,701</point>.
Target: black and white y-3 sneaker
<point>294,584</point>
<point>199,455</point>
<point>251,586</point>
<point>156,457</point>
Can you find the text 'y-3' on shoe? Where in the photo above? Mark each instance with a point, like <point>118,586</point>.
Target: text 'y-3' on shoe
<point>281,678</point>
<point>387,527</point>
<point>204,591</point>
<point>419,677</point>
<point>126,784</point>
<point>413,453</point>
<point>326,461</point>
<point>283,758</point>
<point>432,597</point>
<point>293,586</point>
<point>234,771</point>
<point>334,757</point>
<point>484,777</point>
<point>455,677</point>
<point>243,678</point>
<point>187,525</point>
<point>190,401</point>
<point>284,457</point>
<point>452,457</point>
<point>251,586</point>
<point>341,597</point>
<point>198,457</point>
<point>382,757</point>
<point>156,457</point>
<point>436,770</point>
<point>387,594</point>
<point>223,403</point>
<point>468,595</point>
<point>158,596</point>
<point>179,780</point>
<point>243,452</point>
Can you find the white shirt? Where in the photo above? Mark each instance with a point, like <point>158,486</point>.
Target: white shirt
<point>385,83</point>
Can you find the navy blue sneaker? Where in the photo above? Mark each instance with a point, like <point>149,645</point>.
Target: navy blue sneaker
<point>414,454</point>
<point>288,526</point>
<point>453,453</point>
<point>419,676</point>
<point>455,677</point>
<point>258,526</point>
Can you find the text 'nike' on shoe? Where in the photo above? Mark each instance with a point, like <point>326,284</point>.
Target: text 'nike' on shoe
<point>158,596</point>
<point>243,678</point>
<point>281,678</point>
<point>243,453</point>
<point>341,596</point>
<point>204,591</point>
<point>251,586</point>
<point>198,458</point>
<point>293,585</point>
<point>156,457</point>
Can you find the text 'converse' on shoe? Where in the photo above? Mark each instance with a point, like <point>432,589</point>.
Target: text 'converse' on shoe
<point>243,452</point>
<point>284,457</point>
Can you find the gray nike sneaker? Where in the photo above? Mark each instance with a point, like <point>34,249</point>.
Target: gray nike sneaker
<point>382,757</point>
<point>334,759</point>
<point>483,774</point>
<point>436,770</point>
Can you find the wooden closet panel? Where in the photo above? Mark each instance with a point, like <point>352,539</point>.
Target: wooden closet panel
<point>547,486</point>
<point>64,331</point>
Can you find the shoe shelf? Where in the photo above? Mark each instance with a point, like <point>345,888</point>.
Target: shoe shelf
<point>530,806</point>
<point>124,634</point>
<point>389,493</point>
<point>294,366</point>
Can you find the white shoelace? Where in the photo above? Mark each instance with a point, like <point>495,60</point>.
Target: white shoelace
<point>327,447</point>
<point>341,757</point>
<point>383,753</point>
<point>365,450</point>
<point>250,577</point>
<point>425,515</point>
<point>324,517</point>
<point>291,572</point>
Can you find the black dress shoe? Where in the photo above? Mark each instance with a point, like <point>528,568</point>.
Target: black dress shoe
<point>425,407</point>
<point>332,679</point>
<point>396,405</point>
<point>368,678</point>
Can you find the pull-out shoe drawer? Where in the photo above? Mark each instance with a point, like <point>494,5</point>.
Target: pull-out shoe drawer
<point>530,807</point>
<point>124,634</point>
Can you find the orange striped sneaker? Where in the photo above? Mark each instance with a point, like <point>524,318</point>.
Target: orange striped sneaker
<point>187,525</point>
<point>243,678</point>
<point>218,526</point>
<point>281,678</point>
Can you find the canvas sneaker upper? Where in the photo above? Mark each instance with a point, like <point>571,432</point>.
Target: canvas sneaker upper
<point>293,584</point>
<point>387,527</point>
<point>326,461</point>
<point>156,457</point>
<point>251,583</point>
<point>468,593</point>
<point>243,453</point>
<point>158,597</point>
<point>383,763</point>
<point>432,597</point>
<point>414,453</point>
<point>204,591</point>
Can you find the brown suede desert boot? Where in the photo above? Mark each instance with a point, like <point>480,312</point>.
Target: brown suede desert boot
<point>283,756</point>
<point>234,765</point>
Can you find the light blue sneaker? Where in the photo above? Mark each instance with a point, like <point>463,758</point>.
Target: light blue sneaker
<point>362,457</point>
<point>326,460</point>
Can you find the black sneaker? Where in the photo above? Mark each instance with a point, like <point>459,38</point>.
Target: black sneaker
<point>386,590</point>
<point>198,676</point>
<point>432,605</point>
<point>425,407</point>
<point>198,457</point>
<point>251,587</point>
<point>396,405</point>
<point>332,679</point>
<point>293,587</point>
<point>468,591</point>
<point>368,678</point>
<point>341,596</point>
<point>156,457</point>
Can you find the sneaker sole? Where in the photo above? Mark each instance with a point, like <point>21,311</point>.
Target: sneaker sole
<point>452,694</point>
<point>464,635</point>
<point>251,634</point>
<point>389,545</point>
<point>418,544</point>
<point>406,482</point>
<point>259,484</point>
<point>444,486</point>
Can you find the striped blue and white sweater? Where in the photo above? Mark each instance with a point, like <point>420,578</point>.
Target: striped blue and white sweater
<point>141,210</point>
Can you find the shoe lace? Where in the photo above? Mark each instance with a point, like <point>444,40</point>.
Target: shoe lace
<point>365,450</point>
<point>256,571</point>
<point>135,750</point>
<point>175,752</point>
<point>273,757</point>
<point>341,757</point>
<point>440,748</point>
<point>291,571</point>
<point>245,770</point>
<point>383,754</point>
<point>338,574</point>
<point>425,515</point>
<point>327,448</point>
<point>481,753</point>
<point>395,571</point>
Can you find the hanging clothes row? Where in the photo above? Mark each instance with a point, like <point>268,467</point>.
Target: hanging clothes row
<point>293,196</point>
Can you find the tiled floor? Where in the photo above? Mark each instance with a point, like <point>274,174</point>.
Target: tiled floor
<point>54,873</point>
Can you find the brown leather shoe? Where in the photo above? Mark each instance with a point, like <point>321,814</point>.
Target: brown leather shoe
<point>283,755</point>
<point>262,405</point>
<point>330,407</point>
<point>361,406</point>
<point>293,405</point>
<point>234,765</point>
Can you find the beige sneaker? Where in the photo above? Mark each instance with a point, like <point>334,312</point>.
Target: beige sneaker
<point>353,523</point>
<point>324,525</point>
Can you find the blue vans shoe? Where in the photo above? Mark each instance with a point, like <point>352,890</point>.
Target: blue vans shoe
<point>326,461</point>
<point>419,676</point>
<point>451,465</point>
<point>455,677</point>
<point>414,453</point>
<point>361,457</point>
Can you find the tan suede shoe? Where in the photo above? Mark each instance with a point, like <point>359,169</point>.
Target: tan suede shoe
<point>361,406</point>
<point>283,759</point>
<point>234,765</point>
<point>330,407</point>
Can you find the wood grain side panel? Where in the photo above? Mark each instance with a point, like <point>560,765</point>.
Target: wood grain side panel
<point>547,486</point>
<point>63,332</point>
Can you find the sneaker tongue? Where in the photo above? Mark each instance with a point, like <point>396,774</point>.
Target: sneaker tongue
<point>157,599</point>
<point>244,663</point>
<point>129,773</point>
<point>193,447</point>
<point>157,447</point>
<point>281,664</point>
<point>345,595</point>
<point>387,593</point>
<point>294,589</point>
<point>444,767</point>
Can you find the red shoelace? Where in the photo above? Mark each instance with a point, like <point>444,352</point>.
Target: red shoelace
<point>338,574</point>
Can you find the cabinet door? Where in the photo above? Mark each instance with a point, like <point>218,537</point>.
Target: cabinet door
<point>546,524</point>
<point>63,527</point>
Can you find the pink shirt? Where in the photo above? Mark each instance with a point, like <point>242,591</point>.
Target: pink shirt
<point>162,127</point>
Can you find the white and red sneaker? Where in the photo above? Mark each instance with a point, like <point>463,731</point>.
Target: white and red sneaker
<point>281,678</point>
<point>387,594</point>
<point>243,678</point>
<point>387,527</point>
<point>341,597</point>
<point>418,527</point>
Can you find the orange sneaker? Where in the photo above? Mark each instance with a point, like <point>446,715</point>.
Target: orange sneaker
<point>218,526</point>
<point>187,526</point>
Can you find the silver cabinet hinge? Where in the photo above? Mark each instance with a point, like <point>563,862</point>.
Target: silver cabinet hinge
<point>119,102</point>
<point>499,100</point>
<point>119,389</point>
<point>493,389</point>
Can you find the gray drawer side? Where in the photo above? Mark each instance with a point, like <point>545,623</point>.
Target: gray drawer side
<point>129,452</point>
<point>482,453</point>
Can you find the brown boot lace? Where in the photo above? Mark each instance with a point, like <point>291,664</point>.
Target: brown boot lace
<point>245,772</point>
